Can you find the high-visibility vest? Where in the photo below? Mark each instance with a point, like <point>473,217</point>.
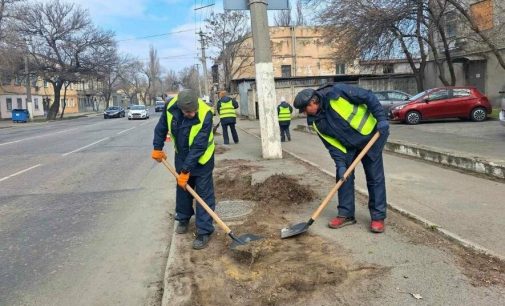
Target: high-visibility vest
<point>284,113</point>
<point>226,110</point>
<point>203,109</point>
<point>332,141</point>
<point>358,116</point>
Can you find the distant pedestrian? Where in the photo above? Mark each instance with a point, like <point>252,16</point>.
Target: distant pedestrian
<point>345,118</point>
<point>188,120</point>
<point>226,107</point>
<point>284,110</point>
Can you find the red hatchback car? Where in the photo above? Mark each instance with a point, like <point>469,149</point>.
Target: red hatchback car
<point>443,102</point>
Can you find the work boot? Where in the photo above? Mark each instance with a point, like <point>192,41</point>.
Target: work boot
<point>201,241</point>
<point>182,227</point>
<point>339,222</point>
<point>377,226</point>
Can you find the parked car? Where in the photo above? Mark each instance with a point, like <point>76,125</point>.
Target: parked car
<point>138,112</point>
<point>159,106</point>
<point>391,98</point>
<point>502,112</point>
<point>114,112</point>
<point>443,102</point>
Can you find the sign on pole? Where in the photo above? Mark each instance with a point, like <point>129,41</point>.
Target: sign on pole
<point>244,4</point>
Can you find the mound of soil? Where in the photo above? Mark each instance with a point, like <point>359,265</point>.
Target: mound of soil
<point>281,189</point>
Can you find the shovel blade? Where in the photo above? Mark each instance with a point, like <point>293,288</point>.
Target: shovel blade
<point>243,239</point>
<point>294,230</point>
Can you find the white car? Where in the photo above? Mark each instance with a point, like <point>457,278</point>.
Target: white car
<point>138,112</point>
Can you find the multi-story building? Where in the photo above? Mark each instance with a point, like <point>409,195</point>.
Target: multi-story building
<point>473,61</point>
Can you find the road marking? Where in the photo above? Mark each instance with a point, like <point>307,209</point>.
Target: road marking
<point>19,172</point>
<point>81,148</point>
<point>119,133</point>
<point>145,123</point>
<point>15,141</point>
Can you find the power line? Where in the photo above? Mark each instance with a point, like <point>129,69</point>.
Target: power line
<point>157,35</point>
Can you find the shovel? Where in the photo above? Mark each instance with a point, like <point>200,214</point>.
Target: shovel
<point>300,228</point>
<point>242,240</point>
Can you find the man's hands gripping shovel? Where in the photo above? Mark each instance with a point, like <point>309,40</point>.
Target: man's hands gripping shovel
<point>182,182</point>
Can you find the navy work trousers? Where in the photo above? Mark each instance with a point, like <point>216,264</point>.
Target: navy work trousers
<point>284,127</point>
<point>204,186</point>
<point>233,132</point>
<point>376,184</point>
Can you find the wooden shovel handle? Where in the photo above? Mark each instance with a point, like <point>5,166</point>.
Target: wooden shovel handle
<point>346,174</point>
<point>199,200</point>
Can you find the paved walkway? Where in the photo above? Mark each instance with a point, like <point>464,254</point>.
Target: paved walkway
<point>465,206</point>
<point>7,123</point>
<point>427,269</point>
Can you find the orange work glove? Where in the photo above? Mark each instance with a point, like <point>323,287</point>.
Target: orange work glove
<point>158,155</point>
<point>182,179</point>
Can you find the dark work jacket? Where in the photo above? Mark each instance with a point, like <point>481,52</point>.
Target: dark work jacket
<point>284,104</point>
<point>186,158</point>
<point>332,124</point>
<point>235,106</point>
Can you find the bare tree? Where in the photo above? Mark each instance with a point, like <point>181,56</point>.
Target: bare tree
<point>134,82</point>
<point>152,71</point>
<point>7,15</point>
<point>189,78</point>
<point>64,44</point>
<point>227,33</point>
<point>283,18</point>
<point>171,81</point>
<point>300,20</point>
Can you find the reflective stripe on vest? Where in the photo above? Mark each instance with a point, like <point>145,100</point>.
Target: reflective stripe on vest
<point>358,116</point>
<point>333,141</point>
<point>284,114</point>
<point>227,110</point>
<point>203,109</point>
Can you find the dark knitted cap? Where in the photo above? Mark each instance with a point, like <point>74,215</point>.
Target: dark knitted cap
<point>187,100</point>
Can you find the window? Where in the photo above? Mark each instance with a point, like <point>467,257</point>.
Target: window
<point>9,104</point>
<point>438,95</point>
<point>340,69</point>
<point>388,68</point>
<point>380,96</point>
<point>46,83</point>
<point>451,24</point>
<point>460,92</point>
<point>19,102</point>
<point>18,80</point>
<point>397,96</point>
<point>286,71</point>
<point>36,103</point>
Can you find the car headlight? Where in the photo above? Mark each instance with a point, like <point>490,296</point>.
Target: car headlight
<point>399,107</point>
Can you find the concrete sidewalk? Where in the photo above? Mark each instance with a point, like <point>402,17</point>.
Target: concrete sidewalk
<point>7,123</point>
<point>415,264</point>
<point>471,146</point>
<point>466,208</point>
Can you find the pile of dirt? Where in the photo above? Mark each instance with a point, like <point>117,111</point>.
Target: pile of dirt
<point>281,189</point>
<point>220,149</point>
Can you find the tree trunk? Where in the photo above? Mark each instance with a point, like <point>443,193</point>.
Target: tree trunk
<point>64,101</point>
<point>55,107</point>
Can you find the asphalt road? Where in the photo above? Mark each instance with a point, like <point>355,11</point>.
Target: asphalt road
<point>84,213</point>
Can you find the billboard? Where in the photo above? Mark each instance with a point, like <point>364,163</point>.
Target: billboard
<point>244,4</point>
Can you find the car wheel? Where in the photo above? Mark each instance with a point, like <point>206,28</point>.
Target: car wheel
<point>478,114</point>
<point>413,117</point>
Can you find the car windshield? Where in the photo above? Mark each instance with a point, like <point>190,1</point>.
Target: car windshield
<point>419,95</point>
<point>160,103</point>
<point>113,108</point>
<point>138,107</point>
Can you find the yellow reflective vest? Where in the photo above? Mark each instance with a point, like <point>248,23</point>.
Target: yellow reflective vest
<point>358,117</point>
<point>226,110</point>
<point>284,114</point>
<point>203,109</point>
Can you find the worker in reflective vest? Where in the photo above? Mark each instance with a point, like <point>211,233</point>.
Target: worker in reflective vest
<point>188,120</point>
<point>345,118</point>
<point>226,108</point>
<point>284,110</point>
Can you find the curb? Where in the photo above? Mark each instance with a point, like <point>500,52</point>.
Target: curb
<point>418,219</point>
<point>167,295</point>
<point>455,160</point>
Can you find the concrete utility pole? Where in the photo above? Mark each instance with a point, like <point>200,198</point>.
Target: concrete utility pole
<point>265,85</point>
<point>204,64</point>
<point>199,85</point>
